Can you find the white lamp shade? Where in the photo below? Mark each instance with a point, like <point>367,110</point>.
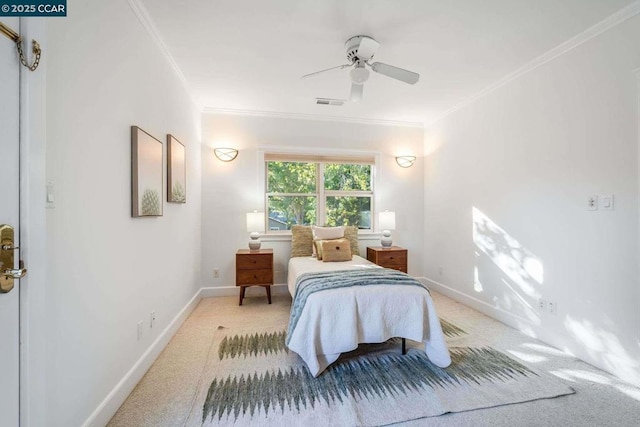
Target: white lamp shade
<point>387,220</point>
<point>255,221</point>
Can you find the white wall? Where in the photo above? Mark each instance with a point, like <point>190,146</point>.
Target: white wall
<point>230,190</point>
<point>524,159</point>
<point>106,270</point>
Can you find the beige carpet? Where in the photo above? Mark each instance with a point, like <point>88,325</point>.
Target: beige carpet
<point>166,394</point>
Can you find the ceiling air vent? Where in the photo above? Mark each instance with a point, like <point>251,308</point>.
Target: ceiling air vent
<point>328,101</point>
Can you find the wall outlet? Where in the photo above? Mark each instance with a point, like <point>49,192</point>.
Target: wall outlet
<point>216,273</point>
<point>592,203</point>
<point>140,330</point>
<point>152,320</point>
<point>553,307</point>
<point>542,304</point>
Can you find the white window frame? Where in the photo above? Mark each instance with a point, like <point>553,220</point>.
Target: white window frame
<point>320,158</point>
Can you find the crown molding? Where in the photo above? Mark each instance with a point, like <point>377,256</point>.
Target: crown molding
<point>595,30</point>
<point>143,16</point>
<point>147,22</point>
<point>317,117</point>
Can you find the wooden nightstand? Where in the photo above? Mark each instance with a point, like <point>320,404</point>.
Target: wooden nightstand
<point>392,257</point>
<point>254,268</point>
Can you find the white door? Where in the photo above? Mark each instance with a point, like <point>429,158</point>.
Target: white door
<point>9,214</point>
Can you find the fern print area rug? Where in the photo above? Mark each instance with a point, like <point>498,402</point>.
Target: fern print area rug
<point>251,379</point>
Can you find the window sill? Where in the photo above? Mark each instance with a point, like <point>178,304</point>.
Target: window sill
<point>367,235</point>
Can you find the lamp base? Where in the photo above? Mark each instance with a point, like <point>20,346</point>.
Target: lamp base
<point>255,243</point>
<point>386,241</point>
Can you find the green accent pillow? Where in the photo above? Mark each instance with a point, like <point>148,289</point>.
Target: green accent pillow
<point>301,241</point>
<point>351,234</point>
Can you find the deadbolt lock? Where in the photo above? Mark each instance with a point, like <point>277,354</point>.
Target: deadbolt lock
<point>7,253</point>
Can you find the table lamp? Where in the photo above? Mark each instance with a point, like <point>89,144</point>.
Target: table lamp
<point>255,224</point>
<point>387,222</point>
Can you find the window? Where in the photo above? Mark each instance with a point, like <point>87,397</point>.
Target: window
<point>310,190</point>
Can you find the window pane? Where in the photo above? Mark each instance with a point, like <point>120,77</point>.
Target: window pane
<point>349,211</point>
<point>291,177</point>
<point>347,177</point>
<point>285,211</point>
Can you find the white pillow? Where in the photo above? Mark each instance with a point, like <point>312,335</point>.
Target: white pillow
<point>327,233</point>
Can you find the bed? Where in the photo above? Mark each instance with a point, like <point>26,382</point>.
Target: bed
<point>332,321</point>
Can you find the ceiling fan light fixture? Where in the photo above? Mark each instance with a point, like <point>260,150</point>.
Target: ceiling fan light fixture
<point>359,75</point>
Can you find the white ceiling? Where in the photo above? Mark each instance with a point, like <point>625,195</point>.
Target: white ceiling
<point>248,55</point>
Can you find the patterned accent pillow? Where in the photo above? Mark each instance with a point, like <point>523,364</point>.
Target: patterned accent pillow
<point>336,250</point>
<point>325,233</point>
<point>351,234</point>
<point>301,241</point>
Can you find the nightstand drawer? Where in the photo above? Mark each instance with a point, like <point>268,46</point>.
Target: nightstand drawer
<point>254,277</point>
<point>390,258</point>
<point>393,257</point>
<point>254,262</point>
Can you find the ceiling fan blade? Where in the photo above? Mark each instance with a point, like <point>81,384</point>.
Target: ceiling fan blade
<point>367,48</point>
<point>356,92</point>
<point>328,69</point>
<point>395,72</point>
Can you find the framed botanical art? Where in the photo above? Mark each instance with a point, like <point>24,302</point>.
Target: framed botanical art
<point>146,174</point>
<point>176,171</point>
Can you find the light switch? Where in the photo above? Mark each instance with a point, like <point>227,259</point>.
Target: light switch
<point>51,198</point>
<point>606,202</point>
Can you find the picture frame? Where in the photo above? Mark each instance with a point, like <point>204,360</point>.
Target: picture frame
<point>176,171</point>
<point>147,170</point>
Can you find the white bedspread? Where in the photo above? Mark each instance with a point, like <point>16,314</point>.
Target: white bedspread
<point>335,321</point>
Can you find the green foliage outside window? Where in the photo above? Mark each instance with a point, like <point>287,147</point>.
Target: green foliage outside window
<point>292,196</point>
<point>347,177</point>
<point>291,177</point>
<point>349,211</point>
<point>285,211</point>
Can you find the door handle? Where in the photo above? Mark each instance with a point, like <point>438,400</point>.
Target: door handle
<point>16,273</point>
<point>7,256</point>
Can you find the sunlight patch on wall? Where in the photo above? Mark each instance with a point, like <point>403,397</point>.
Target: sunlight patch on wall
<point>514,260</point>
<point>508,300</point>
<point>605,346</point>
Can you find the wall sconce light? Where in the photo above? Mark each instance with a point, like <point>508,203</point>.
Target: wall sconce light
<point>225,154</point>
<point>405,161</point>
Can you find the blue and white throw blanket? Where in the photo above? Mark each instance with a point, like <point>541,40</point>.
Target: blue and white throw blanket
<point>310,283</point>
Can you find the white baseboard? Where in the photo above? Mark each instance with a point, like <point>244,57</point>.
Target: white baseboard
<point>497,313</point>
<point>103,413</point>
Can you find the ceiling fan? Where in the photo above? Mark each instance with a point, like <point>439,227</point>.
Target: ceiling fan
<point>360,51</point>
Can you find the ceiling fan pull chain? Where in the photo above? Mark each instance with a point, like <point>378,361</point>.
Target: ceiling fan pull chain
<point>36,51</point>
